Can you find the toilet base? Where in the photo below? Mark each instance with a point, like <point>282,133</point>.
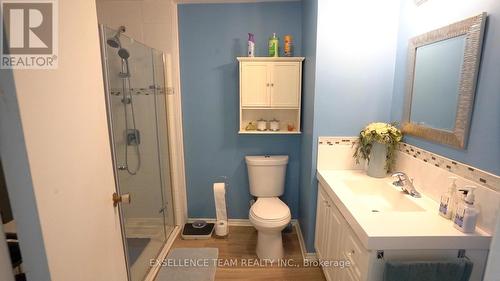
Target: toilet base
<point>269,245</point>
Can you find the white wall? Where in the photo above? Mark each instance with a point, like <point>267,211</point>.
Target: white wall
<point>57,159</point>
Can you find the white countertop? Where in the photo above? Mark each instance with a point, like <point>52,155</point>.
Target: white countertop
<point>385,230</point>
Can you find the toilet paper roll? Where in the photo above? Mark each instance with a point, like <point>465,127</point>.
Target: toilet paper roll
<point>221,228</point>
<point>220,201</point>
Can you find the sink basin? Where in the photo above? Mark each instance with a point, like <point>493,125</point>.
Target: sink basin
<point>378,195</point>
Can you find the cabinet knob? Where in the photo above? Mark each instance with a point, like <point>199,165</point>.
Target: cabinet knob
<point>272,84</point>
<point>267,84</point>
<point>351,252</point>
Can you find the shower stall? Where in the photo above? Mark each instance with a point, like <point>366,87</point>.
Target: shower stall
<point>134,76</point>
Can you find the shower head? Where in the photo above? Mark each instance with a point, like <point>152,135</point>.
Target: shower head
<point>114,41</point>
<point>123,53</point>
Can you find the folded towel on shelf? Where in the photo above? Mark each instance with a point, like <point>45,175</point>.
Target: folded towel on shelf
<point>453,270</point>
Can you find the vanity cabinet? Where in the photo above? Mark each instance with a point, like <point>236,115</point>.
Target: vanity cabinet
<point>335,240</point>
<point>270,88</point>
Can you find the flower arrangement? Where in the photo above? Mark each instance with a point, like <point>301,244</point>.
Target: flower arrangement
<point>382,133</point>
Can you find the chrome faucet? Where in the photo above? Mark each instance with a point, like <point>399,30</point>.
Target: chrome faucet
<point>406,184</point>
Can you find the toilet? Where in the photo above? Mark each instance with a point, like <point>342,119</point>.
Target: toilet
<point>269,215</point>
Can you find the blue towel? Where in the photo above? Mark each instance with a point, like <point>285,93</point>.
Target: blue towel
<point>453,270</point>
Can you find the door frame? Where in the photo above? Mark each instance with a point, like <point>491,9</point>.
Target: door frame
<point>104,62</point>
<point>176,136</point>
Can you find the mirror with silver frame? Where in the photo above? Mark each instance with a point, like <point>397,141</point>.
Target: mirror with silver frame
<point>441,83</point>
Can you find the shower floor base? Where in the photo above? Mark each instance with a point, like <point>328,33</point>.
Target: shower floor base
<point>141,265</point>
<point>143,227</point>
<point>135,248</point>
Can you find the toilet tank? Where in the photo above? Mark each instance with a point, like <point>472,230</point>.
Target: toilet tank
<point>266,175</point>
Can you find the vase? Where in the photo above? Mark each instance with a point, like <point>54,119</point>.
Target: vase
<point>378,158</point>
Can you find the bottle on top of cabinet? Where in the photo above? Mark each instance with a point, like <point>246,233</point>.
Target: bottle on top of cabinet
<point>274,46</point>
<point>288,46</point>
<point>251,45</point>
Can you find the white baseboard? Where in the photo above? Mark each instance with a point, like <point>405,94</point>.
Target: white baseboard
<point>246,222</point>
<point>151,276</point>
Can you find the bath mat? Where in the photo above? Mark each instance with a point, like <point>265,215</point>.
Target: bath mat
<point>189,264</point>
<point>135,247</point>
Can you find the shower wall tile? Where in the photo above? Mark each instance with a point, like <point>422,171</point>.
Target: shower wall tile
<point>158,35</point>
<point>149,22</point>
<point>156,11</point>
<point>116,13</point>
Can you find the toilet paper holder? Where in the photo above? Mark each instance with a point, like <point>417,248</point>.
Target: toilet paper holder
<point>221,225</point>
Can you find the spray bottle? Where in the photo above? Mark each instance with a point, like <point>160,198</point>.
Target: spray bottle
<point>251,45</point>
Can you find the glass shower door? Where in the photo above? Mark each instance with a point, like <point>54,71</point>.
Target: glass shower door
<point>162,126</point>
<point>135,94</point>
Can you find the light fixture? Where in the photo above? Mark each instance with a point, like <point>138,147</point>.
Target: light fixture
<point>419,2</point>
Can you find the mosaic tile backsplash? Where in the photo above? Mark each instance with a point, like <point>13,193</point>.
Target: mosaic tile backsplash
<point>139,91</point>
<point>471,173</point>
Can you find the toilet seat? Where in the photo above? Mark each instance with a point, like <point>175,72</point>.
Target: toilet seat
<point>270,211</point>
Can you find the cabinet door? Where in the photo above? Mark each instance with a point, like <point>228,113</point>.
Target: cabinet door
<point>347,275</point>
<point>321,235</point>
<point>335,232</point>
<point>255,85</point>
<point>285,84</point>
<point>353,250</point>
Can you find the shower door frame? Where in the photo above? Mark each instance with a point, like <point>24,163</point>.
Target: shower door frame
<point>102,35</point>
<point>104,55</point>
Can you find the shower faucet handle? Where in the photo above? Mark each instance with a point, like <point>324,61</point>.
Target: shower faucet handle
<point>122,167</point>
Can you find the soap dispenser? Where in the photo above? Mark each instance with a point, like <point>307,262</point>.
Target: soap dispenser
<point>448,200</point>
<point>466,213</point>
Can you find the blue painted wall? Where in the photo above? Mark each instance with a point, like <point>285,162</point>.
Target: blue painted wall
<point>308,183</point>
<point>354,71</point>
<point>355,65</point>
<point>483,150</point>
<point>211,37</point>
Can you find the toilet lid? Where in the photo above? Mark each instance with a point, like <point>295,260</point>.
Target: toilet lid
<point>270,209</point>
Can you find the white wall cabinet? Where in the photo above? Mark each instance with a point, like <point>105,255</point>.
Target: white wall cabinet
<point>336,241</point>
<point>270,88</point>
